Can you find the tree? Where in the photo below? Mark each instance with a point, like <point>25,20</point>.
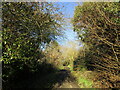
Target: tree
<point>62,56</point>
<point>26,26</point>
<point>70,53</point>
<point>53,54</point>
<point>98,27</point>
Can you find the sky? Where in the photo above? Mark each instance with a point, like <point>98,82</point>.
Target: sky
<point>68,12</point>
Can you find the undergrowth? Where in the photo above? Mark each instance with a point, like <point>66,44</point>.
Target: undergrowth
<point>83,78</point>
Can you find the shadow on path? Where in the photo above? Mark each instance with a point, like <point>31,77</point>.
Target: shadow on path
<point>47,76</point>
<point>59,79</point>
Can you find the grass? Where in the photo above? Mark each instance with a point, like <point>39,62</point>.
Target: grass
<point>84,83</point>
<point>83,78</point>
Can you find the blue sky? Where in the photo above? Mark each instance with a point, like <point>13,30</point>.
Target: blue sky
<point>68,12</point>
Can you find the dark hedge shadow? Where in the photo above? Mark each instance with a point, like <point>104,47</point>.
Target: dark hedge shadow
<point>46,76</point>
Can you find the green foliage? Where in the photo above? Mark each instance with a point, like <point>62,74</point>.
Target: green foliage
<point>53,54</point>
<point>97,25</point>
<point>70,53</point>
<point>62,56</point>
<point>84,83</point>
<point>26,26</point>
<point>84,78</point>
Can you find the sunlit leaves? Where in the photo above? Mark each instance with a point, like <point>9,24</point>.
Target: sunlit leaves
<point>26,25</point>
<point>100,25</point>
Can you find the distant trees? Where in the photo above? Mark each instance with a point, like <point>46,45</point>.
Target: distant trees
<point>26,27</point>
<point>70,53</point>
<point>97,25</point>
<point>62,55</point>
<point>53,54</point>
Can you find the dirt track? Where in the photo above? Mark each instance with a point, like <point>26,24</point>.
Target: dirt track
<point>66,80</point>
<point>60,79</point>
